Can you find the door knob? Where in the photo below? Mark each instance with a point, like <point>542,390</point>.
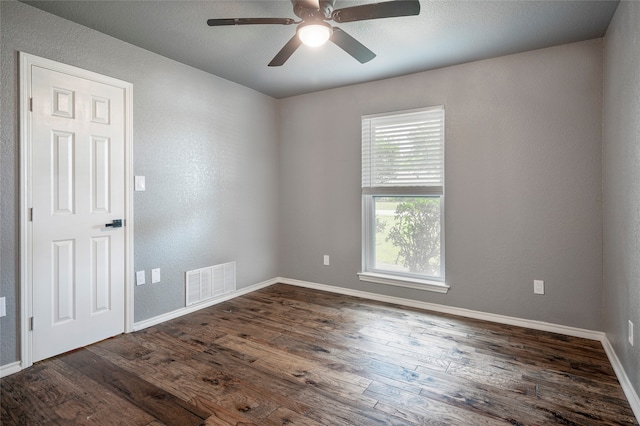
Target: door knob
<point>117,223</point>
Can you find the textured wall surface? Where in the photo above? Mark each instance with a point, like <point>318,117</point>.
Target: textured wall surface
<point>621,185</point>
<point>523,178</point>
<point>523,182</point>
<point>208,149</point>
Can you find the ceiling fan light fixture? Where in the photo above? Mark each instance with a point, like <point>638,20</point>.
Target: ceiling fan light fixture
<point>314,33</point>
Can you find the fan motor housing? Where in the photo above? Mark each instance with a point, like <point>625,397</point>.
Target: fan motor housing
<point>301,9</point>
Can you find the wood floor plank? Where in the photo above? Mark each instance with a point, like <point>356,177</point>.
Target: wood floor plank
<point>20,404</point>
<point>284,416</point>
<point>223,415</point>
<point>92,405</point>
<point>127,346</point>
<point>288,355</point>
<point>482,398</point>
<point>282,363</point>
<point>162,405</point>
<point>606,409</point>
<point>321,405</point>
<point>198,384</point>
<point>423,411</point>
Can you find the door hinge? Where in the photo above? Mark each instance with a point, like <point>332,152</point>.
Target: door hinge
<point>31,104</point>
<point>30,214</point>
<point>30,323</point>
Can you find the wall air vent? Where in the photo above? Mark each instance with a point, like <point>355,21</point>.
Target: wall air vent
<point>208,283</point>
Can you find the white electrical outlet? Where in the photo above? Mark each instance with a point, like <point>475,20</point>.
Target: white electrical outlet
<point>538,287</point>
<point>140,278</point>
<point>326,259</point>
<point>155,275</point>
<point>631,333</point>
<point>3,307</point>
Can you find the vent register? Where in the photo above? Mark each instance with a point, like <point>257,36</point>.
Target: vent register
<point>208,283</point>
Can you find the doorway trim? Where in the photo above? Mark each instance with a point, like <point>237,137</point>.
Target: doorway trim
<point>27,61</point>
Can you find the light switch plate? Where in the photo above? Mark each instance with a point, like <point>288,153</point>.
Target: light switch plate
<point>326,260</point>
<point>140,278</point>
<point>140,184</point>
<point>538,287</point>
<point>155,275</point>
<point>3,307</point>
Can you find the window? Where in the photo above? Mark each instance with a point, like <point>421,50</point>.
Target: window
<point>403,198</point>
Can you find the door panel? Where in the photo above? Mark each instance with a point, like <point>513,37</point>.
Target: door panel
<point>78,166</point>
<point>100,274</point>
<point>100,174</point>
<point>63,281</point>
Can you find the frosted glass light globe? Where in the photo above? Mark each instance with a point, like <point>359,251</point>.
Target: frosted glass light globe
<point>315,34</point>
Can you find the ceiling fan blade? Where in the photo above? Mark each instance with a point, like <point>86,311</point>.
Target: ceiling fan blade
<point>284,53</point>
<point>249,21</point>
<point>389,9</point>
<point>352,46</point>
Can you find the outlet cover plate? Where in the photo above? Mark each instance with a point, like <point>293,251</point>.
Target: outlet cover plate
<point>538,287</point>
<point>326,260</point>
<point>155,275</point>
<point>631,333</point>
<point>3,307</point>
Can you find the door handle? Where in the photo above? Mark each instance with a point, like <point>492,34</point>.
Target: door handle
<point>117,223</point>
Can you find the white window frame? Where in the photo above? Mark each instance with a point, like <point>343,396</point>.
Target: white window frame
<point>371,191</point>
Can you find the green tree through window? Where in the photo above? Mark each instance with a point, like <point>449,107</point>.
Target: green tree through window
<point>416,234</point>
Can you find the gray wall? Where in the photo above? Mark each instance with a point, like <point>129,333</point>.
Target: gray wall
<point>523,182</point>
<point>523,175</point>
<point>208,148</point>
<point>621,185</point>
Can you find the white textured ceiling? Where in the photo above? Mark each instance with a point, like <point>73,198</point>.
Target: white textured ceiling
<point>445,33</point>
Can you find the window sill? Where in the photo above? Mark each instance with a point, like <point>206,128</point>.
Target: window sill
<point>426,285</point>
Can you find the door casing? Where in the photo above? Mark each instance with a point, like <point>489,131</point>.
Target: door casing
<point>27,61</point>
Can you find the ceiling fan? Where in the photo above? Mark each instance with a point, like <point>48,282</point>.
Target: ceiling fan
<point>313,30</point>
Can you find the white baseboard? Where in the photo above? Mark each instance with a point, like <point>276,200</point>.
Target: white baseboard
<point>501,319</point>
<point>627,387</point>
<point>12,368</point>
<point>193,308</point>
<point>625,383</point>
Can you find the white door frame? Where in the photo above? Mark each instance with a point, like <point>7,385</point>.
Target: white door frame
<point>27,61</point>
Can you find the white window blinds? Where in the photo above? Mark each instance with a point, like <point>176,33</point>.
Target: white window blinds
<point>404,151</point>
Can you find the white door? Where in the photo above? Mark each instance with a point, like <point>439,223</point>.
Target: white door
<point>77,190</point>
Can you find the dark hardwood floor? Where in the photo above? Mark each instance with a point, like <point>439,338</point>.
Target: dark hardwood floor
<point>292,356</point>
